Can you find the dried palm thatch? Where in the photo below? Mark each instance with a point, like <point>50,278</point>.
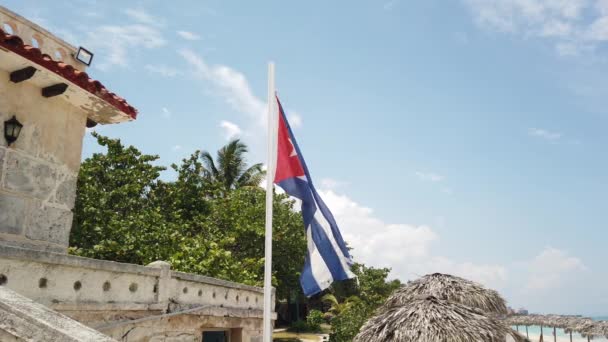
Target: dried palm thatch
<point>583,325</point>
<point>451,288</point>
<point>431,319</point>
<point>599,328</point>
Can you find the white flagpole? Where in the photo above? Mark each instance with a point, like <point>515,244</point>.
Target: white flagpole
<point>272,148</point>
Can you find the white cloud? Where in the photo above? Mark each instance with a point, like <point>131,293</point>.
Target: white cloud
<point>162,70</point>
<point>390,4</point>
<point>332,184</point>
<point>231,84</point>
<point>598,29</point>
<point>493,276</point>
<point>176,148</point>
<point>294,118</point>
<point>544,134</point>
<point>166,113</point>
<point>406,249</point>
<point>550,267</point>
<point>114,44</point>
<point>567,49</point>
<point>142,16</point>
<point>231,130</point>
<point>429,176</point>
<point>571,25</point>
<point>187,35</point>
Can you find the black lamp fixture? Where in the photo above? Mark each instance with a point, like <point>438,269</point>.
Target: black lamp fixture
<point>84,56</point>
<point>12,128</point>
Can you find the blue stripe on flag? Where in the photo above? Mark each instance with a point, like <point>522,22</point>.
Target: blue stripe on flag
<point>307,279</point>
<point>327,251</point>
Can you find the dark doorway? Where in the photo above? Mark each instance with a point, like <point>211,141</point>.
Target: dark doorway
<point>214,336</point>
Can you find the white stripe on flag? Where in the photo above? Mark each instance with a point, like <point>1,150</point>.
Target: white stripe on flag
<point>318,266</point>
<point>326,227</point>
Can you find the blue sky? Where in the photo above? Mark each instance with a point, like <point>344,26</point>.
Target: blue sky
<point>462,136</point>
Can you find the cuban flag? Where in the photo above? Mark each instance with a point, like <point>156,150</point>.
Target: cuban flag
<point>328,258</point>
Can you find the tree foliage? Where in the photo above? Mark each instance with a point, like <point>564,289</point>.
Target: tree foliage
<point>353,302</point>
<point>113,216</point>
<point>125,213</point>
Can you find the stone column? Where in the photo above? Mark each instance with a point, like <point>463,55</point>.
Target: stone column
<point>163,289</point>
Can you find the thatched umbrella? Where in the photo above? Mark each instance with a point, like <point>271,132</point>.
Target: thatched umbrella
<point>583,326</point>
<point>431,319</point>
<point>593,328</point>
<point>451,288</point>
<point>518,320</point>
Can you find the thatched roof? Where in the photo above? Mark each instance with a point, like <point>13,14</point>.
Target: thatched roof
<point>451,288</point>
<point>557,321</point>
<point>583,325</point>
<point>431,319</point>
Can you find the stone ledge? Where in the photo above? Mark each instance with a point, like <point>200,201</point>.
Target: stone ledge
<point>204,310</point>
<point>214,281</point>
<point>20,241</point>
<point>10,252</point>
<point>95,306</point>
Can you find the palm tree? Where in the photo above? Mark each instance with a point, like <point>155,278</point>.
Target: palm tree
<point>231,169</point>
<point>337,307</point>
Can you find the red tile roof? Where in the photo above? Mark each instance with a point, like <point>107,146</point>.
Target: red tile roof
<point>80,78</point>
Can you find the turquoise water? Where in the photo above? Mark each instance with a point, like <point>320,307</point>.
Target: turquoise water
<point>534,333</point>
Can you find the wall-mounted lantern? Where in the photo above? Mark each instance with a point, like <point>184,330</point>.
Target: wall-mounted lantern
<point>12,128</point>
<point>91,123</point>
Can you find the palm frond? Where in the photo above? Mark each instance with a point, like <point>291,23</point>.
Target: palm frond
<point>252,176</point>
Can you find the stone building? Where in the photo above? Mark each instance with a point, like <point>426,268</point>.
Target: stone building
<point>46,294</point>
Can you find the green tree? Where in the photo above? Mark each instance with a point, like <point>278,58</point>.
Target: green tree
<point>239,219</point>
<point>113,218</point>
<point>231,169</point>
<point>354,301</point>
<point>336,307</point>
<point>346,325</point>
<point>123,212</point>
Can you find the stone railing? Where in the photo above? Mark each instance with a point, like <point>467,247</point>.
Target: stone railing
<point>22,319</point>
<point>36,36</point>
<point>66,281</point>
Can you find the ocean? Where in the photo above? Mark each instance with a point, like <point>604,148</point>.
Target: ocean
<point>534,333</point>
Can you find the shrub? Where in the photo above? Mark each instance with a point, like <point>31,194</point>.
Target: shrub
<point>314,325</point>
<point>314,320</point>
<point>298,326</point>
<point>346,325</point>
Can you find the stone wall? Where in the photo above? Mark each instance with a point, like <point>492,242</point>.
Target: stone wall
<point>189,325</point>
<point>38,172</point>
<point>98,292</point>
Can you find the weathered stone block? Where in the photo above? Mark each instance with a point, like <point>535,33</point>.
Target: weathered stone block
<point>49,224</point>
<point>29,176</point>
<point>2,153</point>
<point>66,191</point>
<point>12,213</point>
